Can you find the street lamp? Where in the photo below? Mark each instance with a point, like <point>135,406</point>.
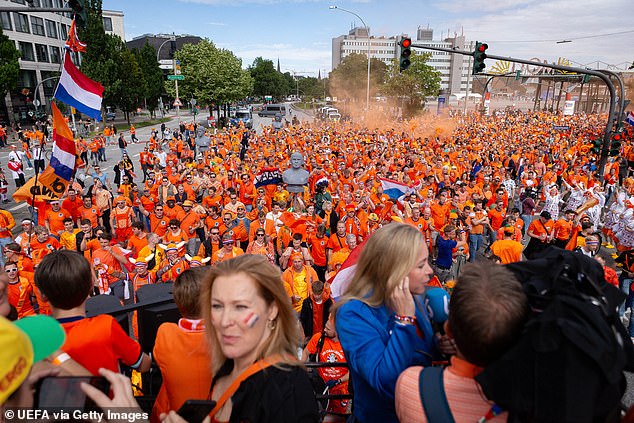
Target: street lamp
<point>367,29</point>
<point>172,39</point>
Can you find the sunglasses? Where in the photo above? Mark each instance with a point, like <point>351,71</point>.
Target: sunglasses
<point>259,234</point>
<point>215,233</point>
<point>10,270</point>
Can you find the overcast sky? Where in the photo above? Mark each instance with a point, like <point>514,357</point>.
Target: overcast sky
<point>299,32</point>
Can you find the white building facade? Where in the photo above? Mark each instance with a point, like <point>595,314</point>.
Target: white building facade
<point>40,38</point>
<point>455,69</point>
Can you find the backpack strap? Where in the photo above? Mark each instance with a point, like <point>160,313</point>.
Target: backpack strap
<point>432,394</point>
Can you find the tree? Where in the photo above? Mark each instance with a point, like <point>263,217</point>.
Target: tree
<point>102,57</point>
<point>349,79</point>
<point>212,75</point>
<point>266,79</point>
<point>415,83</point>
<point>9,65</point>
<point>131,85</point>
<point>152,74</point>
<point>311,87</point>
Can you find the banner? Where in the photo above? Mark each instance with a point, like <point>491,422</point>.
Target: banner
<point>267,176</point>
<point>49,187</point>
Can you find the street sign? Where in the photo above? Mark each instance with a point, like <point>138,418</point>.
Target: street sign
<point>36,103</point>
<point>192,101</point>
<point>177,103</point>
<point>175,77</point>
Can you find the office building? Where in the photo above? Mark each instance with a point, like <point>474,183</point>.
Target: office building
<point>454,69</point>
<point>40,38</point>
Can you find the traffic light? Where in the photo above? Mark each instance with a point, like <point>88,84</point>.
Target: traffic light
<point>405,52</point>
<point>615,144</point>
<point>479,56</point>
<point>79,9</point>
<point>596,146</point>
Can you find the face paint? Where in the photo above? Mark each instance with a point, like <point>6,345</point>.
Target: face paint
<point>251,319</point>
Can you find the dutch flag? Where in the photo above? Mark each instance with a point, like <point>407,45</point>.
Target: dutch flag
<point>630,118</point>
<point>394,189</point>
<point>79,91</point>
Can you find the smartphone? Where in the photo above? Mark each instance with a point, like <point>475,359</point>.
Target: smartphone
<point>65,392</point>
<point>195,411</point>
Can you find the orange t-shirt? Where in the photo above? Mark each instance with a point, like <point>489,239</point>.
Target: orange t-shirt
<point>184,360</point>
<point>99,341</point>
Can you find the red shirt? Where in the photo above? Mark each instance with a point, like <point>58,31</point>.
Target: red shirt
<point>99,341</point>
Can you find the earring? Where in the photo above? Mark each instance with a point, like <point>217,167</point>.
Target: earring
<point>271,324</point>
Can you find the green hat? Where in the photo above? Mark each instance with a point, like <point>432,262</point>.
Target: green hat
<point>45,333</point>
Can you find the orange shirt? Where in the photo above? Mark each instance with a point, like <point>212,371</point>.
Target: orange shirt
<point>508,250</point>
<point>183,357</point>
<point>99,341</point>
<point>562,229</point>
<point>136,244</point>
<point>158,225</point>
<point>91,214</point>
<point>56,220</point>
<point>318,249</point>
<point>20,295</point>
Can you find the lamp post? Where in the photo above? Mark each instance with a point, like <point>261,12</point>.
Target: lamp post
<point>367,28</point>
<point>173,39</point>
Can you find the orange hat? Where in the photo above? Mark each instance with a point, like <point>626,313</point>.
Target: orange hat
<point>119,198</point>
<point>295,255</point>
<point>373,217</point>
<point>188,203</point>
<point>509,230</point>
<point>171,198</point>
<point>351,207</point>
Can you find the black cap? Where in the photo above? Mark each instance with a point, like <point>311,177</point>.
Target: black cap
<point>545,214</point>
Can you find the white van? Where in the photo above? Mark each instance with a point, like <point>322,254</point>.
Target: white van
<point>270,110</point>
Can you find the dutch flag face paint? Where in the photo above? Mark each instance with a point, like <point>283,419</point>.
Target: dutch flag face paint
<point>251,319</point>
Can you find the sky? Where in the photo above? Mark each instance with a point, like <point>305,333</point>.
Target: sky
<point>300,32</point>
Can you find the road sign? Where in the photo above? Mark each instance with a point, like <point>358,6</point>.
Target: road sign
<point>175,77</point>
<point>36,103</point>
<point>192,101</point>
<point>177,103</point>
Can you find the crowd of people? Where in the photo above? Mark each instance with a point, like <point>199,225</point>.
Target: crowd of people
<point>472,188</point>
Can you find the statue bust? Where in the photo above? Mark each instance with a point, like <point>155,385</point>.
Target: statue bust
<point>296,177</point>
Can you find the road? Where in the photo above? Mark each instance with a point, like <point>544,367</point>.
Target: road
<point>113,155</point>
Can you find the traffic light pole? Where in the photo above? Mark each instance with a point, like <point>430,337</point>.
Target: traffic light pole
<point>599,74</point>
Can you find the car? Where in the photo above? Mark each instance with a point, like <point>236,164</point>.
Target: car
<point>111,116</point>
<point>244,116</point>
<point>270,110</point>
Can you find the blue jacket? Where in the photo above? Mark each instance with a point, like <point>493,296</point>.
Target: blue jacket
<point>378,351</point>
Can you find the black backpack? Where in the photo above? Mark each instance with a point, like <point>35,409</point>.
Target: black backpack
<point>568,364</point>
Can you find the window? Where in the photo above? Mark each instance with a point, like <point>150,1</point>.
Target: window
<point>55,56</point>
<point>42,52</point>
<point>107,24</point>
<point>64,31</point>
<point>37,25</point>
<point>47,3</point>
<point>51,29</point>
<point>6,21</point>
<point>27,51</point>
<point>21,22</point>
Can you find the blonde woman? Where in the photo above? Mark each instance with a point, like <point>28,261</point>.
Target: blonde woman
<point>254,338</point>
<point>381,319</point>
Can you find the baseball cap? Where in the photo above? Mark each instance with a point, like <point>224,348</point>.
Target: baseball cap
<point>23,343</point>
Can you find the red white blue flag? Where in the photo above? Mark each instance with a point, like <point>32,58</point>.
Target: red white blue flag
<point>79,91</point>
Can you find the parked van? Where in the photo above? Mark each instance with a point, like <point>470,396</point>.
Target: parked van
<point>270,110</point>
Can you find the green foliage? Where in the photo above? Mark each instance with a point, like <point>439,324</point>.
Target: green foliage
<point>415,83</point>
<point>9,65</point>
<point>212,75</point>
<point>152,75</point>
<point>349,79</point>
<point>131,85</point>
<point>267,80</point>
<point>102,58</point>
<point>312,87</point>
